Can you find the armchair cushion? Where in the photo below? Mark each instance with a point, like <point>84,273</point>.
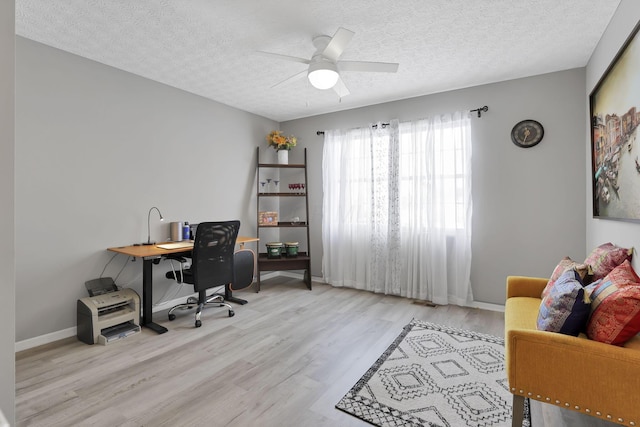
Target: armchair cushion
<point>615,307</point>
<point>565,309</point>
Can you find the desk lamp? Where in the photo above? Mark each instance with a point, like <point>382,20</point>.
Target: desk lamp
<point>149,242</point>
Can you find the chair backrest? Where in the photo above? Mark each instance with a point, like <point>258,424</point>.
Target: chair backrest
<point>245,260</point>
<point>213,254</point>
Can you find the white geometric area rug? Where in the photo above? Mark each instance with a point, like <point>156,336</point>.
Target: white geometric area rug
<point>434,375</point>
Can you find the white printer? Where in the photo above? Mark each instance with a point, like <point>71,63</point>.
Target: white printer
<point>108,317</point>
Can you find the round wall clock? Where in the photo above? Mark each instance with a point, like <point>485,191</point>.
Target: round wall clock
<point>527,133</point>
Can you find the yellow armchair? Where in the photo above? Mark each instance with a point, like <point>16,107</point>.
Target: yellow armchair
<point>576,373</point>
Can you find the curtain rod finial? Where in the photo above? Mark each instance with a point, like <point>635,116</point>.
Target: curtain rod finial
<point>480,110</point>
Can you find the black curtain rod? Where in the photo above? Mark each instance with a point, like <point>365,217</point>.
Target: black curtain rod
<point>480,110</point>
<point>384,125</point>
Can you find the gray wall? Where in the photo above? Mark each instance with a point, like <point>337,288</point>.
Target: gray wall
<point>599,231</point>
<point>7,250</point>
<point>528,204</point>
<point>97,147</point>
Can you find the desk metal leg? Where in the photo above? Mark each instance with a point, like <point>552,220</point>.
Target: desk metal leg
<point>147,297</point>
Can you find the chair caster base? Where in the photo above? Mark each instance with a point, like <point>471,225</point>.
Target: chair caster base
<point>231,313</point>
<point>172,316</point>
<point>198,323</point>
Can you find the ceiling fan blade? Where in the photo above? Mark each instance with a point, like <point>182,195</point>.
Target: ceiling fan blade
<point>285,57</point>
<point>378,67</point>
<point>338,43</point>
<point>341,89</point>
<point>293,78</point>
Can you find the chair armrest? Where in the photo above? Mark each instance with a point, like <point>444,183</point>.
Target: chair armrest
<point>576,373</point>
<point>521,286</point>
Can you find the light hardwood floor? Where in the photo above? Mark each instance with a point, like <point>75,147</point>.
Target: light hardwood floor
<point>285,359</point>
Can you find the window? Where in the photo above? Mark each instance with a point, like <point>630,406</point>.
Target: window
<point>437,166</point>
<point>397,208</point>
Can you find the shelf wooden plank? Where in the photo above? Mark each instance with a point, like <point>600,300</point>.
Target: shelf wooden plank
<point>281,194</point>
<point>301,262</point>
<point>285,224</point>
<point>263,256</point>
<point>277,165</point>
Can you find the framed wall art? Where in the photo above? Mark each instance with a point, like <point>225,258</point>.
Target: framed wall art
<point>268,219</point>
<point>615,143</point>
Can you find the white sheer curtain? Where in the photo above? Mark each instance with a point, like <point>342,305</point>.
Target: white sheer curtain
<point>397,209</point>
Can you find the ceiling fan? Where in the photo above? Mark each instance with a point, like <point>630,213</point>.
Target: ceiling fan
<point>324,66</point>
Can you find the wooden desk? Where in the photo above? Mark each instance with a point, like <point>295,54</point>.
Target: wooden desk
<point>150,255</point>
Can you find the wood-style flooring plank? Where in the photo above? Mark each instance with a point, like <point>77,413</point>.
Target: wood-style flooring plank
<point>285,359</point>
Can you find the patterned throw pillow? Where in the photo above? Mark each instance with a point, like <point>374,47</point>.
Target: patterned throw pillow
<point>615,307</point>
<point>605,258</point>
<point>566,263</point>
<point>564,309</point>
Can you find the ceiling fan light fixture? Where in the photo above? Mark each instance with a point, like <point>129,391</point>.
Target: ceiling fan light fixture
<point>323,75</point>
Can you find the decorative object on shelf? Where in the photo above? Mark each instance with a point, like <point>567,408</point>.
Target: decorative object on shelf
<point>291,249</point>
<point>283,157</point>
<point>527,133</point>
<point>274,250</point>
<point>268,218</point>
<point>282,144</point>
<point>297,186</point>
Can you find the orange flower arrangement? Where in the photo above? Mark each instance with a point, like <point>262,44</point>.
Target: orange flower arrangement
<point>279,142</point>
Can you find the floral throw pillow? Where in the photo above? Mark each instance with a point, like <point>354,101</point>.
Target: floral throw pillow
<point>566,263</point>
<point>605,258</point>
<point>566,308</point>
<point>615,307</point>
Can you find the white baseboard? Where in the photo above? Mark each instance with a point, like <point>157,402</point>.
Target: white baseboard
<point>45,339</point>
<point>487,306</point>
<point>71,332</point>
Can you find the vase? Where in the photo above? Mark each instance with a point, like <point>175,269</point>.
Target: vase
<point>283,157</point>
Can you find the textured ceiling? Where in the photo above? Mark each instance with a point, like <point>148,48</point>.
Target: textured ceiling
<point>208,47</point>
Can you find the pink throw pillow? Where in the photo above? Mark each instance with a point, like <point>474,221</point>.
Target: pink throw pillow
<point>605,258</point>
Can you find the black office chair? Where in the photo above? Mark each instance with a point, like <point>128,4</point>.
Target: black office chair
<point>245,264</point>
<point>213,265</point>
